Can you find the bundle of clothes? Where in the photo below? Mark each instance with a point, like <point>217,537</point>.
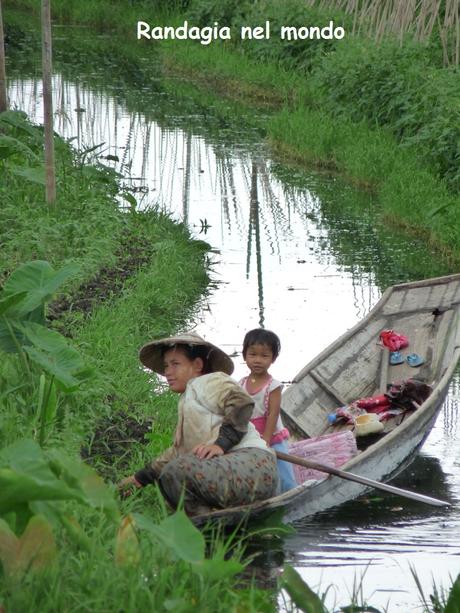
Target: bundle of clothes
<point>367,416</point>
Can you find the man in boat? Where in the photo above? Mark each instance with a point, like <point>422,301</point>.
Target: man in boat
<point>218,458</point>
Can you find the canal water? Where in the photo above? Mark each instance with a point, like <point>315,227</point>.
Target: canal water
<point>297,251</point>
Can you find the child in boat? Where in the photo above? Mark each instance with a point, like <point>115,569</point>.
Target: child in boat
<point>260,349</point>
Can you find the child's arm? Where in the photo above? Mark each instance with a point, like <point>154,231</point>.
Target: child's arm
<point>274,405</point>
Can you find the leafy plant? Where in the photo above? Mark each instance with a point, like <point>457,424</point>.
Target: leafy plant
<point>23,332</point>
<point>177,534</point>
<point>34,485</point>
<point>20,151</point>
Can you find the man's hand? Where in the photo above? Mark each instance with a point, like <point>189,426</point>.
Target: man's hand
<point>206,452</point>
<point>125,485</point>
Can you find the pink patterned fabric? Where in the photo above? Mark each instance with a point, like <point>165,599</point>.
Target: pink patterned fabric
<point>331,449</point>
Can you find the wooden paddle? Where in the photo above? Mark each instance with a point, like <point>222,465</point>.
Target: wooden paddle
<point>331,470</point>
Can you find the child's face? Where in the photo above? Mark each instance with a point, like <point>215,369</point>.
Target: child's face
<point>259,358</point>
<point>179,369</point>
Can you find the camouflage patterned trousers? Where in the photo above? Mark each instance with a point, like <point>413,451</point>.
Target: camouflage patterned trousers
<point>235,478</point>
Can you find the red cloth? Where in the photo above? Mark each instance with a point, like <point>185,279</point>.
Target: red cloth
<point>376,402</point>
<point>393,340</point>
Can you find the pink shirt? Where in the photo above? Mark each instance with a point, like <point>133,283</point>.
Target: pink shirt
<point>260,413</point>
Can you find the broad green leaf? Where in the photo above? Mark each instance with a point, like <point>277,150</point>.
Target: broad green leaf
<point>178,534</point>
<point>18,488</point>
<point>51,351</point>
<point>216,570</point>
<point>13,117</point>
<point>28,475</point>
<point>10,145</point>
<point>19,518</point>
<point>24,455</point>
<point>77,474</point>
<point>11,335</point>
<point>453,601</point>
<point>272,523</point>
<point>127,552</point>
<point>302,596</point>
<point>35,174</point>
<point>64,364</point>
<point>45,339</point>
<point>39,280</point>
<point>18,119</point>
<point>25,475</point>
<point>9,301</point>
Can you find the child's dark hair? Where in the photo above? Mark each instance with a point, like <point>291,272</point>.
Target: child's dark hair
<point>192,352</point>
<point>260,336</point>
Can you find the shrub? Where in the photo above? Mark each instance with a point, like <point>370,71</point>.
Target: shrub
<point>395,86</point>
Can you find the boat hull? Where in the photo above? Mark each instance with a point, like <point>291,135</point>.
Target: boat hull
<point>354,366</point>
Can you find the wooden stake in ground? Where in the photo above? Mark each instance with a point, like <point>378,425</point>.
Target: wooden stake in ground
<point>48,102</point>
<point>3,98</point>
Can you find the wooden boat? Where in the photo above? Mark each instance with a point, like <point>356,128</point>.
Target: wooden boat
<point>356,366</point>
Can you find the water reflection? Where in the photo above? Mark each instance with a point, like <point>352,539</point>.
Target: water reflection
<point>273,236</point>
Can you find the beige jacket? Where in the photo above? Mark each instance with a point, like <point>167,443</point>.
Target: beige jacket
<point>208,402</point>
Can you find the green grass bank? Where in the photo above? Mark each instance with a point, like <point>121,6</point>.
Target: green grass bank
<point>386,116</point>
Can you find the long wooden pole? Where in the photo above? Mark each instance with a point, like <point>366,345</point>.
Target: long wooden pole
<point>331,470</point>
<point>48,102</point>
<point>3,98</point>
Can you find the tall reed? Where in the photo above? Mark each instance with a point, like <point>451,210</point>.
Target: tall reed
<point>422,19</point>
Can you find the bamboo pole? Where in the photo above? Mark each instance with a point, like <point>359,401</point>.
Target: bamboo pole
<point>50,177</point>
<point>3,97</point>
<point>378,485</point>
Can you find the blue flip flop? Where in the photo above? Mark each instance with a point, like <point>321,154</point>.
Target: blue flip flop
<point>396,358</point>
<point>414,360</point>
